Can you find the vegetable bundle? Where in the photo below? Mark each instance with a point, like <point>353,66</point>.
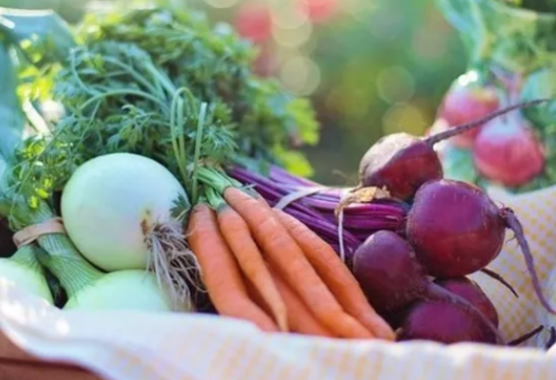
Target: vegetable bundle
<point>160,182</point>
<point>155,105</point>
<point>442,228</point>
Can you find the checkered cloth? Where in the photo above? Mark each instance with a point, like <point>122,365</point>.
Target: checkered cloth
<point>149,346</point>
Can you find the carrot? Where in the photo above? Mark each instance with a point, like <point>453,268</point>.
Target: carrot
<point>336,275</point>
<point>300,319</point>
<point>290,262</point>
<point>237,235</point>
<point>220,272</point>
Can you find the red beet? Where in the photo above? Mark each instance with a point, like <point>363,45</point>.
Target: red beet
<point>456,229</point>
<point>387,270</point>
<point>468,98</point>
<point>444,323</point>
<point>447,318</point>
<point>402,163</point>
<point>472,292</point>
<point>507,151</point>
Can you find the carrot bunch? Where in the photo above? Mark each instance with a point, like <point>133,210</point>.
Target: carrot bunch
<point>263,265</point>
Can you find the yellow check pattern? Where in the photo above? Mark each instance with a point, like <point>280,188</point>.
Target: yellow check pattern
<point>148,346</point>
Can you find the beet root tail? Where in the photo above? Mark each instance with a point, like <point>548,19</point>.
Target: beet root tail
<point>513,223</point>
<point>492,274</point>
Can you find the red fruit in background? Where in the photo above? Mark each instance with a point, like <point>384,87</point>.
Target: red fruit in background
<point>319,10</point>
<point>506,151</point>
<point>468,99</point>
<point>253,22</point>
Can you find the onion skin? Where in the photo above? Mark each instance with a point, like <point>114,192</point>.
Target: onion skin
<point>122,290</point>
<point>110,204</point>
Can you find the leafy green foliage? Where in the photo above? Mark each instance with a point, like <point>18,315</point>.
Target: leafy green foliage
<point>11,116</point>
<point>500,35</point>
<point>43,36</point>
<point>162,84</point>
<point>215,65</point>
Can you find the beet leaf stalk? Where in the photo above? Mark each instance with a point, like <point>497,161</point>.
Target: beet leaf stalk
<point>315,204</point>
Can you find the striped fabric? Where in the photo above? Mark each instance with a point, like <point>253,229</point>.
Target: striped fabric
<point>147,346</point>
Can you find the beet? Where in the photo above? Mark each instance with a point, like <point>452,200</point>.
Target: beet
<point>456,229</point>
<point>469,98</point>
<point>473,293</point>
<point>444,322</point>
<point>447,318</point>
<point>402,163</point>
<point>506,151</point>
<point>387,270</point>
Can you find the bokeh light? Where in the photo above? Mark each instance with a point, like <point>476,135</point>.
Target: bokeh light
<point>300,75</point>
<point>404,117</point>
<point>292,37</point>
<point>395,84</point>
<point>222,3</point>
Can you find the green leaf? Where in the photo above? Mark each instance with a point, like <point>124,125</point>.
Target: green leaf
<point>515,39</point>
<point>43,36</point>
<point>458,164</point>
<point>11,116</point>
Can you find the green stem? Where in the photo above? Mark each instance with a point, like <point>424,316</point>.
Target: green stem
<point>483,42</point>
<point>26,256</point>
<point>60,255</point>
<point>214,198</point>
<point>198,143</point>
<point>138,77</point>
<point>123,92</point>
<point>162,78</point>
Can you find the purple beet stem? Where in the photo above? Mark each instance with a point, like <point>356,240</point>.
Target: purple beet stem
<point>317,210</point>
<point>513,223</point>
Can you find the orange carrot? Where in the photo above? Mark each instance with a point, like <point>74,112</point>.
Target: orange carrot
<point>290,262</point>
<point>300,319</point>
<point>336,275</point>
<point>220,272</point>
<point>237,235</point>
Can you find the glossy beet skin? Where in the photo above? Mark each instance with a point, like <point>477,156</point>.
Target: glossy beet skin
<point>445,322</point>
<point>471,291</point>
<point>402,163</point>
<point>445,317</point>
<point>455,228</point>
<point>387,270</point>
<point>468,98</point>
<point>506,151</point>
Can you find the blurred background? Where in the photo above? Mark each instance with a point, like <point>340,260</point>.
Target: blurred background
<point>369,67</point>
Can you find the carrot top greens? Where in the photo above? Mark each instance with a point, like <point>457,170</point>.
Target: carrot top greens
<point>158,82</point>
